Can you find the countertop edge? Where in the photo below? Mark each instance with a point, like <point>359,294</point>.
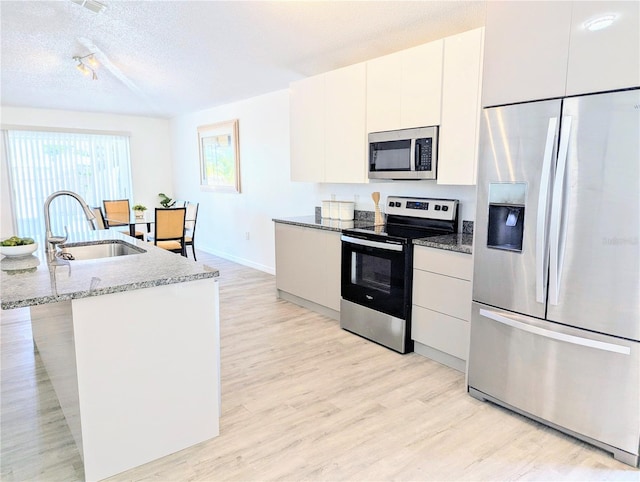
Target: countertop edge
<point>37,283</point>
<point>305,222</point>
<point>459,243</point>
<point>43,300</point>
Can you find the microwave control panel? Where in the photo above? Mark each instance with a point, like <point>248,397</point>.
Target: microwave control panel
<point>424,152</point>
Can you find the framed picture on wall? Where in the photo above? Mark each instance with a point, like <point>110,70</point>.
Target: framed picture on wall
<point>219,157</point>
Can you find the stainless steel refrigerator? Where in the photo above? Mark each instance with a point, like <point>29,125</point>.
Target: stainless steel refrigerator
<point>555,324</point>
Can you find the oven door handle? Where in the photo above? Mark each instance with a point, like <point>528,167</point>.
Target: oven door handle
<point>372,244</point>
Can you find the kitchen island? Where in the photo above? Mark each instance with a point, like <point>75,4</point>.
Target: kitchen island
<point>131,346</point>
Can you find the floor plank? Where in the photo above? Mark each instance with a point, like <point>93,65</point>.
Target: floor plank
<point>304,400</point>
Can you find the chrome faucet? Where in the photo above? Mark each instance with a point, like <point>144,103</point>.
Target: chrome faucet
<point>51,240</point>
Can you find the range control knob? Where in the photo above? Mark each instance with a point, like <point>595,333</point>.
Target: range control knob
<point>390,204</point>
<point>445,208</point>
<point>398,204</point>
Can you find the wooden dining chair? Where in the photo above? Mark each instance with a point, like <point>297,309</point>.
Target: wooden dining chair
<point>169,230</point>
<point>100,223</point>
<point>190,227</point>
<point>117,213</point>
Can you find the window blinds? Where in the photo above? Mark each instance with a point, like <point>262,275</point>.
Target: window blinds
<point>95,166</point>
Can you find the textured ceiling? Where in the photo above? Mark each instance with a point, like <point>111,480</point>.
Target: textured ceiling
<point>164,58</point>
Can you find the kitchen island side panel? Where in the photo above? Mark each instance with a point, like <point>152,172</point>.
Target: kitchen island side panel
<point>148,373</point>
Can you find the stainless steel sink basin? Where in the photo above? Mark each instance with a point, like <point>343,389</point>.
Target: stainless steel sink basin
<point>96,250</point>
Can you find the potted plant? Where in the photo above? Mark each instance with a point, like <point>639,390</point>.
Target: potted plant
<point>139,210</point>
<point>166,201</point>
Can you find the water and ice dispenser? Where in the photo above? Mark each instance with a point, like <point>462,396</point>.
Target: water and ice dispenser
<point>506,216</point>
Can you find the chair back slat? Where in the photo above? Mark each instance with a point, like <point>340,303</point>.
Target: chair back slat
<point>117,212</point>
<point>97,212</point>
<point>192,216</point>
<point>169,223</point>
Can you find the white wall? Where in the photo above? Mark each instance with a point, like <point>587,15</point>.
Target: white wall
<point>267,193</point>
<point>149,143</point>
<point>225,218</point>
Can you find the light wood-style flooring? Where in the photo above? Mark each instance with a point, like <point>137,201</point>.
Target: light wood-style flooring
<point>304,400</point>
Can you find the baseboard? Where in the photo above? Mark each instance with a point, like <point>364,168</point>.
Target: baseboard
<point>310,305</point>
<point>440,356</point>
<point>236,259</point>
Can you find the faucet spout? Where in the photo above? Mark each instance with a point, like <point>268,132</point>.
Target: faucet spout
<point>51,239</point>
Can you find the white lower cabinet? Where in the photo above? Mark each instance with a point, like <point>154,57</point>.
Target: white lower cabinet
<point>308,267</point>
<point>441,305</point>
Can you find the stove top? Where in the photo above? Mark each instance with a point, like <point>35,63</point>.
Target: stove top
<point>411,218</point>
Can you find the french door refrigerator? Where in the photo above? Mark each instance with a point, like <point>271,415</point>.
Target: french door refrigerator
<point>555,324</point>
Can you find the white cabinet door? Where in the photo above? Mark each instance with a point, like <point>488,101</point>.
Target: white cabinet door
<point>421,85</point>
<point>526,50</point>
<point>384,77</point>
<point>459,128</point>
<point>405,89</point>
<point>345,138</point>
<point>441,304</point>
<point>308,264</point>
<point>605,59</point>
<point>306,129</point>
<point>451,296</point>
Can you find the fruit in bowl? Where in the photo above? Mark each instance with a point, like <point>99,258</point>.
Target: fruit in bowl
<point>15,246</point>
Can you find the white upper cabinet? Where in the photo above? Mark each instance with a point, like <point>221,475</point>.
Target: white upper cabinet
<point>421,88</point>
<point>543,49</point>
<point>459,127</point>
<point>327,127</point>
<point>607,58</point>
<point>526,50</point>
<point>404,89</point>
<point>384,77</point>
<point>345,136</point>
<point>306,129</point>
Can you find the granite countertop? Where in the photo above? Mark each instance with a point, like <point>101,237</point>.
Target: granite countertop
<point>31,280</point>
<point>323,223</point>
<point>461,243</point>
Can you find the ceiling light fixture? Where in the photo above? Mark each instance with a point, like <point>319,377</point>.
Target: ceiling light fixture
<point>599,23</point>
<point>87,69</point>
<point>92,5</point>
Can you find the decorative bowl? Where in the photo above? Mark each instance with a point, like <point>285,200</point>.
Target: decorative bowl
<point>17,251</point>
<point>19,264</point>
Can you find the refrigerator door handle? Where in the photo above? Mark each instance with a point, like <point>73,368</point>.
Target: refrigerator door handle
<point>543,207</point>
<point>557,214</point>
<point>576,340</point>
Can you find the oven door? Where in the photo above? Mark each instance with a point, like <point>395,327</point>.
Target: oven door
<point>376,274</point>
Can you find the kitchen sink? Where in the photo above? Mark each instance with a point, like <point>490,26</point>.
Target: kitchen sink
<point>96,250</point>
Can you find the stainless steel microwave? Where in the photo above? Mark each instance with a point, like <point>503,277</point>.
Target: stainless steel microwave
<point>404,154</point>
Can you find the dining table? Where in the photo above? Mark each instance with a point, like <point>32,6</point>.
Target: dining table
<point>147,219</point>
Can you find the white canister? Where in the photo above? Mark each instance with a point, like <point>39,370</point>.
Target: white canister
<point>346,210</point>
<point>325,210</point>
<point>335,210</point>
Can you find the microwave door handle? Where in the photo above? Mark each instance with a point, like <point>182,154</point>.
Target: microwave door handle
<point>543,207</point>
<point>412,160</point>
<point>558,213</point>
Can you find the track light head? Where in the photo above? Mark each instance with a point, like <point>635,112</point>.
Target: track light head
<point>82,67</point>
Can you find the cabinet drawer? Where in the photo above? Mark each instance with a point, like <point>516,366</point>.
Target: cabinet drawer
<point>450,263</point>
<point>450,296</point>
<point>445,333</point>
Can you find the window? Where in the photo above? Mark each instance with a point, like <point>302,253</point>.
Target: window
<point>95,166</point>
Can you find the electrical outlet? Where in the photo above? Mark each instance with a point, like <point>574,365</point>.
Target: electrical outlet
<point>246,236</point>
